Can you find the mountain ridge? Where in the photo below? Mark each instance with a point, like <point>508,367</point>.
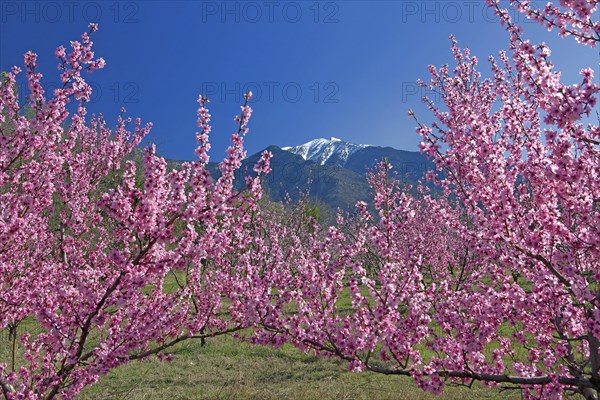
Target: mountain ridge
<point>332,172</point>
<point>322,150</point>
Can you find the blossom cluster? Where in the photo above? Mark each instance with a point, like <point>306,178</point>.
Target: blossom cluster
<point>485,271</point>
<point>91,241</point>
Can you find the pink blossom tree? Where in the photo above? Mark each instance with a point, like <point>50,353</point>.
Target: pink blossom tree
<point>398,265</point>
<point>498,282</point>
<point>524,163</point>
<point>105,265</point>
<point>495,280</point>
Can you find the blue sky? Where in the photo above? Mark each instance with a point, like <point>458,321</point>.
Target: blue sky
<point>319,69</point>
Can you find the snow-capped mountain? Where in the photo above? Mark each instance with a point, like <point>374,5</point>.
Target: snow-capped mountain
<point>332,171</point>
<point>322,151</point>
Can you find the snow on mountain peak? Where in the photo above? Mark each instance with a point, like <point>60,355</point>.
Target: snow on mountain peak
<point>321,150</point>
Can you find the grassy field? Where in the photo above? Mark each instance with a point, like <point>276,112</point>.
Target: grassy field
<point>227,369</point>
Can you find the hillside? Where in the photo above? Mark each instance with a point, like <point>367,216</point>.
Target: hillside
<point>330,171</point>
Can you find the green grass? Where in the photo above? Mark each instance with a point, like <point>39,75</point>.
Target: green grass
<point>227,369</point>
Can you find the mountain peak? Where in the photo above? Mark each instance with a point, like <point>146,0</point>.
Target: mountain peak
<point>323,150</point>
